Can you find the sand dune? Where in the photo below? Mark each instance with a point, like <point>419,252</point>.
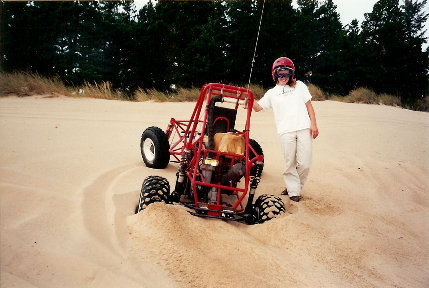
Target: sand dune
<point>70,177</point>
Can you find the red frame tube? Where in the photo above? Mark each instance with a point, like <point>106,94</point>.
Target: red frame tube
<point>189,137</point>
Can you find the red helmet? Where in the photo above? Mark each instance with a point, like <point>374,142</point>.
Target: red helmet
<point>282,62</point>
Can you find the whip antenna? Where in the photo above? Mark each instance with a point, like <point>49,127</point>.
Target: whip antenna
<point>256,44</point>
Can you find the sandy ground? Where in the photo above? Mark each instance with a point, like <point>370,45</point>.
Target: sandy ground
<point>70,177</point>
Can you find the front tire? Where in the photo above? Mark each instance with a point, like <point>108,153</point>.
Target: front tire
<point>154,148</point>
<point>154,189</point>
<point>268,207</point>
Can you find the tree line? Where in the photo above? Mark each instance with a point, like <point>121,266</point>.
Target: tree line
<point>169,44</point>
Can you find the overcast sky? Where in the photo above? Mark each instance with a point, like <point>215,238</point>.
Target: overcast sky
<point>353,9</point>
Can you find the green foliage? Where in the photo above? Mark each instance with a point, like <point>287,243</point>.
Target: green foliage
<point>189,43</point>
<point>393,45</point>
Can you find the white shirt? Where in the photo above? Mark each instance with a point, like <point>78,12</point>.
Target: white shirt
<point>288,104</point>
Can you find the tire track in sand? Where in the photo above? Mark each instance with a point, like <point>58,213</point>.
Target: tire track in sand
<point>101,220</point>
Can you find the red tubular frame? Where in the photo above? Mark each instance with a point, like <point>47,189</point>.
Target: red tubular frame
<point>190,136</point>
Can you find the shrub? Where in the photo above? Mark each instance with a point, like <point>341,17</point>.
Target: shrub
<point>387,99</point>
<point>361,95</point>
<point>316,93</point>
<point>336,97</point>
<point>422,104</point>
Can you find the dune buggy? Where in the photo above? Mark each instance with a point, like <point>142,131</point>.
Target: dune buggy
<point>219,167</point>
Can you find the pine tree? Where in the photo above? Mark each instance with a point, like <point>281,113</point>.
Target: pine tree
<point>242,27</point>
<point>277,39</point>
<point>391,36</point>
<point>416,62</point>
<point>329,67</point>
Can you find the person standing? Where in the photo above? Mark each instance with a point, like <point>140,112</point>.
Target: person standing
<point>295,121</point>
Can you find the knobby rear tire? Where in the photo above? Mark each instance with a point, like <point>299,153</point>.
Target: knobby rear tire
<point>154,189</point>
<point>268,207</point>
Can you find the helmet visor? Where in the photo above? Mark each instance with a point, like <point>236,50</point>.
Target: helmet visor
<point>283,72</point>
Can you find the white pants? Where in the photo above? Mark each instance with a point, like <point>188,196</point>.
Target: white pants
<point>297,150</point>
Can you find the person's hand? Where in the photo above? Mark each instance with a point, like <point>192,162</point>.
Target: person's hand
<point>313,127</point>
<point>256,107</point>
<point>314,131</point>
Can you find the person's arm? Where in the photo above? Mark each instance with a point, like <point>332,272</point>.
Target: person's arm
<point>313,128</point>
<point>256,107</point>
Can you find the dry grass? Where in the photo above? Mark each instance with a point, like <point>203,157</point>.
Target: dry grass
<point>27,84</point>
<point>361,95</point>
<point>316,93</point>
<point>367,96</point>
<point>189,95</point>
<point>387,99</point>
<point>182,94</point>
<point>422,104</point>
<point>335,97</point>
<point>101,90</point>
<point>258,90</point>
<point>142,95</point>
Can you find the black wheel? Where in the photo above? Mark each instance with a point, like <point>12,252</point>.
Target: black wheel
<point>258,150</point>
<point>154,189</point>
<point>154,148</point>
<point>268,207</point>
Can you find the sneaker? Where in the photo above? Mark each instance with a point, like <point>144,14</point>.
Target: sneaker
<point>295,198</point>
<point>284,192</point>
